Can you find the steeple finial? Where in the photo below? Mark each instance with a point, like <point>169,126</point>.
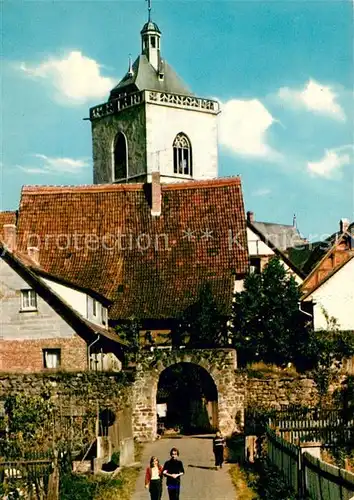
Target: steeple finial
<point>149,10</point>
<point>130,70</point>
<point>294,221</point>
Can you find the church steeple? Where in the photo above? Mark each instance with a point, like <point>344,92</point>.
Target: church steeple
<point>153,123</point>
<point>150,41</point>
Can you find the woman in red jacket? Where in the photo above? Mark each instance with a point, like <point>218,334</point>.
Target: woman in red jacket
<point>153,478</point>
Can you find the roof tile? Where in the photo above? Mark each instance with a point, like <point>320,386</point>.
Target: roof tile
<point>104,238</point>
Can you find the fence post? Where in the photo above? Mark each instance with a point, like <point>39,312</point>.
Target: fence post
<point>53,484</point>
<point>301,477</point>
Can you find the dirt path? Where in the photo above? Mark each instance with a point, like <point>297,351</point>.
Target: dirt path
<point>201,481</point>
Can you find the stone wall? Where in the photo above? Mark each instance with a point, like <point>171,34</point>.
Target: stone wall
<point>277,391</point>
<point>219,363</point>
<point>132,123</point>
<point>108,389</point>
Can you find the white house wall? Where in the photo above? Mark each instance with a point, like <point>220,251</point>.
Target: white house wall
<point>256,246</point>
<point>163,123</point>
<point>336,296</point>
<point>77,300</point>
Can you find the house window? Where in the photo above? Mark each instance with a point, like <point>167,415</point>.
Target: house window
<point>153,42</point>
<point>182,155</point>
<point>104,316</point>
<point>51,358</point>
<point>255,265</point>
<point>28,300</point>
<point>94,307</point>
<point>120,155</point>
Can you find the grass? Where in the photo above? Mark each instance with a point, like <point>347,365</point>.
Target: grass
<point>120,488</point>
<point>240,480</point>
<point>101,486</point>
<point>262,370</point>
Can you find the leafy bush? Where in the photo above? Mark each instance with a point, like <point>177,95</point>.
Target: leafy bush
<point>269,483</point>
<point>76,487</point>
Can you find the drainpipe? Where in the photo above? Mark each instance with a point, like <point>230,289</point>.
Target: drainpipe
<point>304,312</point>
<point>89,349</point>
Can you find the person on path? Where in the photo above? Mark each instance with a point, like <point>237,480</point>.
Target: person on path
<point>153,479</point>
<point>218,449</point>
<point>173,470</point>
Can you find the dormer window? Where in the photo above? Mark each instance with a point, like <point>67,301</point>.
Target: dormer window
<point>182,155</point>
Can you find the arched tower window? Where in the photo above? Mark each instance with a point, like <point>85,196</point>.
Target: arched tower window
<point>182,155</point>
<point>120,155</point>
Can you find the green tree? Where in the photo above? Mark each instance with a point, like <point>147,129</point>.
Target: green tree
<point>325,352</point>
<point>129,331</point>
<point>202,325</point>
<point>266,323</point>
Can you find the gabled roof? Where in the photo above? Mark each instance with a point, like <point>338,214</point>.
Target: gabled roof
<point>277,251</point>
<point>149,267</point>
<point>145,77</point>
<point>324,251</point>
<point>309,256</point>
<point>280,235</point>
<point>328,277</point>
<point>84,328</point>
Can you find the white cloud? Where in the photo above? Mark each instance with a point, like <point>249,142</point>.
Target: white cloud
<point>76,78</point>
<point>244,126</point>
<point>55,166</point>
<point>314,97</point>
<point>261,192</point>
<point>330,164</point>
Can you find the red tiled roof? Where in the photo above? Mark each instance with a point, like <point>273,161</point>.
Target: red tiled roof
<point>156,266</point>
<point>6,217</point>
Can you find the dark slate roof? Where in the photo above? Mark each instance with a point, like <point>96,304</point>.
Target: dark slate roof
<point>159,281</point>
<point>145,77</point>
<point>282,255</point>
<point>150,26</point>
<point>280,235</point>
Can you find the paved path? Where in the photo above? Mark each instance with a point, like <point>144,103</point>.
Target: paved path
<point>200,481</point>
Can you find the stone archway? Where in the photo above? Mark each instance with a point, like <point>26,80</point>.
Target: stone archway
<point>187,398</point>
<point>219,363</point>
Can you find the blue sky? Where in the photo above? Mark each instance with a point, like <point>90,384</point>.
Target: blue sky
<point>283,71</point>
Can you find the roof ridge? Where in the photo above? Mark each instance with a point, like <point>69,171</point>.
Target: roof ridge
<point>92,188</point>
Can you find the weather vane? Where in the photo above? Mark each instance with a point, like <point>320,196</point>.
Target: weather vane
<point>149,9</point>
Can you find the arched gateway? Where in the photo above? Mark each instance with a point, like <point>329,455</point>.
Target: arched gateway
<point>220,365</point>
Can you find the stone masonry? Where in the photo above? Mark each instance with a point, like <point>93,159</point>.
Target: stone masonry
<point>219,363</point>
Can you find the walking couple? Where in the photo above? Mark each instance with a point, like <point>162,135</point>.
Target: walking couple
<point>172,470</point>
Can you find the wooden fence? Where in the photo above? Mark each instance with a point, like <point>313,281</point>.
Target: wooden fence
<point>285,456</point>
<point>327,426</point>
<point>34,477</point>
<point>310,477</point>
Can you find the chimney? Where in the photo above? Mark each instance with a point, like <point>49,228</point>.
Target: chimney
<point>10,236</point>
<point>33,254</point>
<point>343,225</point>
<point>155,194</point>
<point>250,216</point>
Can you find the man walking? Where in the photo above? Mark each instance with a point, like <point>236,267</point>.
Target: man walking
<point>218,449</point>
<point>173,470</point>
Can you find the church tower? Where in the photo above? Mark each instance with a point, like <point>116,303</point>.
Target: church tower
<point>152,122</point>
